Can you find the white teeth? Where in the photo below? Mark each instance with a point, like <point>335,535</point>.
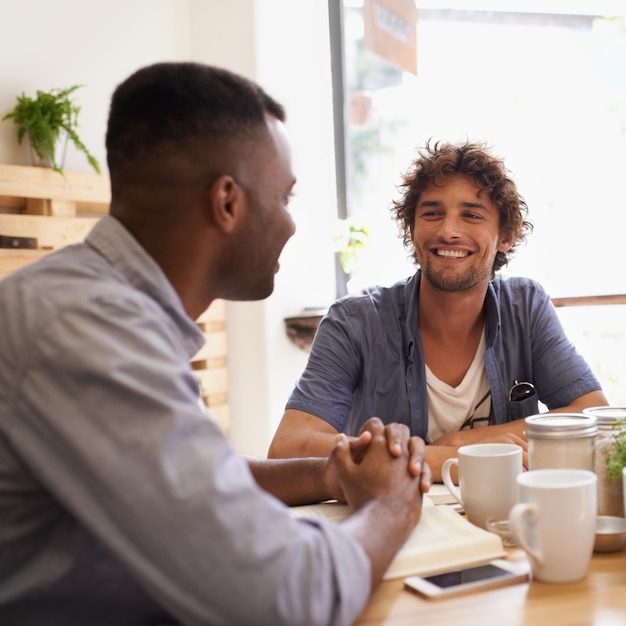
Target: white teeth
<point>453,254</point>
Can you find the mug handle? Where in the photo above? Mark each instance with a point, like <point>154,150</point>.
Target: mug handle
<point>522,516</point>
<point>447,479</point>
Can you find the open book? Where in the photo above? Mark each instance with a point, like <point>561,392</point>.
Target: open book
<point>440,494</point>
<point>442,540</point>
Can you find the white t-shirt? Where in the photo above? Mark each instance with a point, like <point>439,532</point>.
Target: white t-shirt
<point>457,408</point>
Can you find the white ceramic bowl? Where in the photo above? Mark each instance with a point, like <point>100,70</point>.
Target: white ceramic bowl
<point>501,527</point>
<point>610,533</point>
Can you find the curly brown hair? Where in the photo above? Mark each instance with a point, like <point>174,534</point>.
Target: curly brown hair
<point>435,162</point>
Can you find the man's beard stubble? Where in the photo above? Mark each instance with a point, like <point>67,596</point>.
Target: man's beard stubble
<point>450,282</point>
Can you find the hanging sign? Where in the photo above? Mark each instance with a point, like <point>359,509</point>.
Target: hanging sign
<point>390,31</point>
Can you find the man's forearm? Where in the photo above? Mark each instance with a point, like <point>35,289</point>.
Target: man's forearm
<point>435,456</point>
<point>293,481</point>
<point>447,446</point>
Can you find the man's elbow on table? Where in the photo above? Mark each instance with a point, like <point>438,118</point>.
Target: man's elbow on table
<point>301,434</point>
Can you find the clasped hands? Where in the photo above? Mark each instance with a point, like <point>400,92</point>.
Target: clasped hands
<point>383,462</point>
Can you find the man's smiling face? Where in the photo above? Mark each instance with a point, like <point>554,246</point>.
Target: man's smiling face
<point>456,235</point>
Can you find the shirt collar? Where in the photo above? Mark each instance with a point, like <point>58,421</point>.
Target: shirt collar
<point>492,311</point>
<point>411,297</point>
<point>492,307</point>
<point>116,244</point>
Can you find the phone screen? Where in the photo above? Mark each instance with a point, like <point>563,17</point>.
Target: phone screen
<point>469,575</point>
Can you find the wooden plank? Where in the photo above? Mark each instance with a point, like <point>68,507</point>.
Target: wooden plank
<point>215,346</point>
<point>590,300</point>
<point>60,210</point>
<point>222,415</point>
<point>216,399</point>
<point>215,313</point>
<point>51,232</point>
<point>39,206</point>
<point>85,208</point>
<point>209,364</point>
<point>12,202</point>
<point>214,380</point>
<point>42,182</point>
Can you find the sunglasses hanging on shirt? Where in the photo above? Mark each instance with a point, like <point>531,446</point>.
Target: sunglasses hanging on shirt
<point>521,391</point>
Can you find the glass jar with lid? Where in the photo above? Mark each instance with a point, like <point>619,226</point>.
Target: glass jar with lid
<point>561,440</point>
<point>611,419</point>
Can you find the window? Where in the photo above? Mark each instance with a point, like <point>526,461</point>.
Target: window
<point>547,91</point>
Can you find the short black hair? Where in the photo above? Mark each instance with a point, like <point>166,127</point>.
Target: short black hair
<point>181,104</point>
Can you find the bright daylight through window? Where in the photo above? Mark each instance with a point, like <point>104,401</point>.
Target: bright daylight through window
<point>544,84</point>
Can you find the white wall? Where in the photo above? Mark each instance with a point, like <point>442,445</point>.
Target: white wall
<point>283,44</point>
<point>47,44</point>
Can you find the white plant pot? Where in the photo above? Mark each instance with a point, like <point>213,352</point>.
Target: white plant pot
<point>58,158</point>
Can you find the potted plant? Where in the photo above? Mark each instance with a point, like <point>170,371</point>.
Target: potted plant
<point>616,457</point>
<point>611,452</point>
<point>49,119</point>
<point>350,242</point>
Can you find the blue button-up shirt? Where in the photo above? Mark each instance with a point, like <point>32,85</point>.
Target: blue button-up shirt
<point>367,357</point>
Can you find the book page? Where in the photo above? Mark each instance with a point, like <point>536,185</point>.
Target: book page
<point>333,511</point>
<point>442,540</point>
<point>440,494</point>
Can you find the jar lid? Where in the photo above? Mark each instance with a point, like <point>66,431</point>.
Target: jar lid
<point>561,426</point>
<point>607,416</point>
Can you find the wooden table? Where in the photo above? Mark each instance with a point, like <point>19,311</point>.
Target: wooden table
<point>598,600</point>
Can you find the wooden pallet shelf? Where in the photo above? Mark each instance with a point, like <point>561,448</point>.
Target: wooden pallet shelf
<point>211,362</point>
<point>59,210</point>
<point>42,191</point>
<point>55,209</point>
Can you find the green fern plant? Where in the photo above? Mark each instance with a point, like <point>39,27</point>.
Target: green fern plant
<point>42,119</point>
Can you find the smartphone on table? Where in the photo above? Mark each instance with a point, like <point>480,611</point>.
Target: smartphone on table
<point>497,573</point>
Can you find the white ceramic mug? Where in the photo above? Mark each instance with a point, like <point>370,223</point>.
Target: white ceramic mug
<point>555,522</point>
<point>487,473</point>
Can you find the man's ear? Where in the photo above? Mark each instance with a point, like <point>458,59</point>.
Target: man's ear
<point>505,243</point>
<point>227,203</point>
